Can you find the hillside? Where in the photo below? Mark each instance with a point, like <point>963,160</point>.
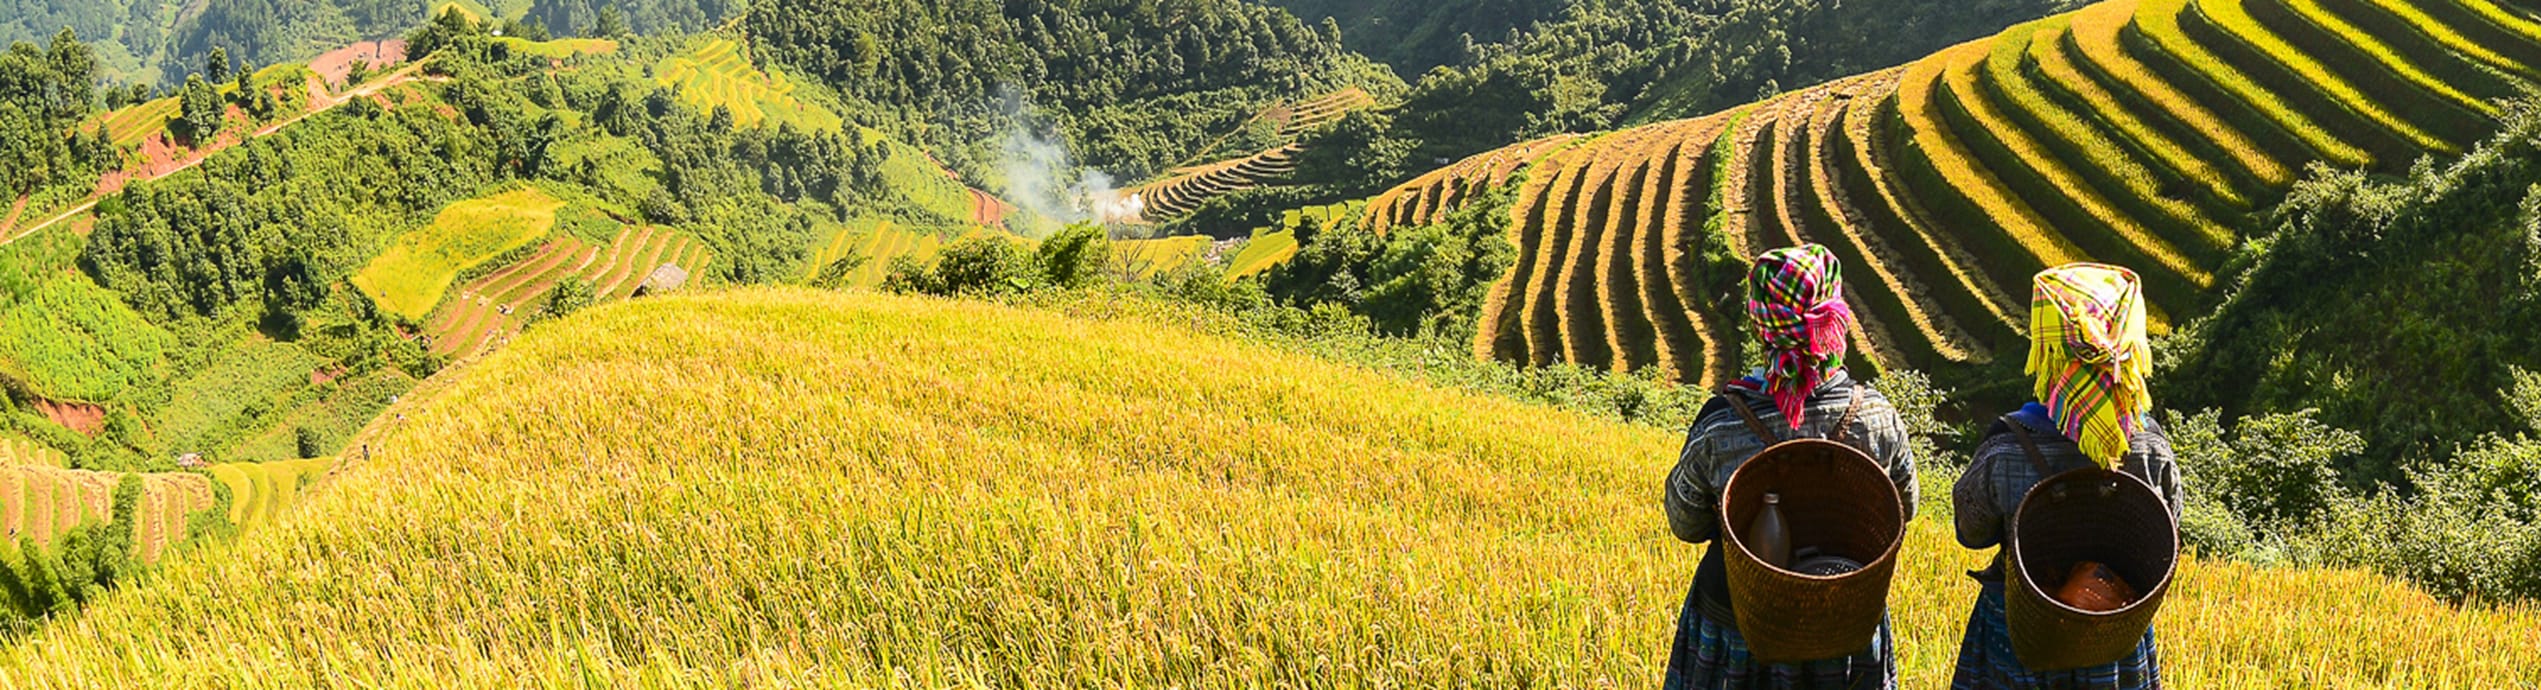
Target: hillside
<point>1041,500</point>
<point>2138,132</point>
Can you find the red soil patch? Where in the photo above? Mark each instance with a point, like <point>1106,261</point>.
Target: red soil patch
<point>325,375</point>
<point>81,417</point>
<point>337,65</point>
<point>989,210</point>
<point>15,209</point>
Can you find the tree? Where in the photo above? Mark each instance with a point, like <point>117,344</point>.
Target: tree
<point>216,67</point>
<point>1074,258</point>
<point>200,109</point>
<point>611,23</point>
<point>570,296</point>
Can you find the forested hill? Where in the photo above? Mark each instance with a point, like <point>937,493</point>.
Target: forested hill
<point>1604,63</point>
<point>161,41</point>
<point>1136,86</point>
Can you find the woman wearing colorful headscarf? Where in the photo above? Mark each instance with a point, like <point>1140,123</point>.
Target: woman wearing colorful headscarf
<point>2089,354</point>
<point>1795,300</point>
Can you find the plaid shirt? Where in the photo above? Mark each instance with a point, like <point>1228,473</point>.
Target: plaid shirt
<point>1719,441</point>
<point>2002,474</point>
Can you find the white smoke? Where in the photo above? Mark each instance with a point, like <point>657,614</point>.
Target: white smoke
<point>1042,177</point>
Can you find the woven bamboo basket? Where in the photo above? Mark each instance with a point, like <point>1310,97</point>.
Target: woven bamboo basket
<point>2089,514</point>
<point>1838,500</point>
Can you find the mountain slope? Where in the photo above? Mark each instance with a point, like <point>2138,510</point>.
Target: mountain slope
<point>673,491</point>
<point>2138,132</point>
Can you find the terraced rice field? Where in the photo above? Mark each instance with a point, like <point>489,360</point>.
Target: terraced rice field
<point>417,270</point>
<point>491,310</point>
<point>23,452</point>
<point>1297,119</point>
<point>2137,132</point>
<point>1185,189</point>
<point>260,491</point>
<point>880,241</point>
<point>560,48</point>
<point>715,73</point>
<point>43,503</point>
<point>1433,195</point>
<point>133,123</point>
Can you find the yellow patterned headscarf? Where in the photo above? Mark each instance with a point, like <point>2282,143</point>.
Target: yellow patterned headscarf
<point>2089,352</point>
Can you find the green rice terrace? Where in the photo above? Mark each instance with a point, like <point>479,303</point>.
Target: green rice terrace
<point>2138,132</point>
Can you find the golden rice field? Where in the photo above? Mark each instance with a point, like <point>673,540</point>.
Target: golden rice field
<point>878,242</point>
<point>1144,259</point>
<point>560,48</point>
<point>260,491</point>
<point>42,504</point>
<point>411,276</point>
<point>763,488</point>
<point>715,73</point>
<point>2136,132</point>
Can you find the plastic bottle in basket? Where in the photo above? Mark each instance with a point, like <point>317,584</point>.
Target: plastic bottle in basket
<point>1769,535</point>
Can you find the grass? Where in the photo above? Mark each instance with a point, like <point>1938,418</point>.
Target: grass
<point>134,123</point>
<point>1576,309</point>
<point>715,73</point>
<point>1017,509</point>
<point>2165,42</point>
<point>1681,193</point>
<point>69,340</point>
<point>411,276</point>
<point>2438,43</point>
<point>235,397</point>
<point>880,241</point>
<point>335,412</point>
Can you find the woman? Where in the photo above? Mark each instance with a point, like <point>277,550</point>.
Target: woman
<point>2089,355</point>
<point>1795,297</point>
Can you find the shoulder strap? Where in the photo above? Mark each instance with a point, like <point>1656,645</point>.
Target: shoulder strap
<point>1852,411</point>
<point>1843,427</point>
<point>1729,394</point>
<point>2028,446</point>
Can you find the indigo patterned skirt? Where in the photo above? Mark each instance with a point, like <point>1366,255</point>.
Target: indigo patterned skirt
<point>1986,661</point>
<point>1710,655</point>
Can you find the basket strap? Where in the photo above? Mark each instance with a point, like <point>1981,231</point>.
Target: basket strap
<point>1852,411</point>
<point>2028,446</point>
<point>1763,433</point>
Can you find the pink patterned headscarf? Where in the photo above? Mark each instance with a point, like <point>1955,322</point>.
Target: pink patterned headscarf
<point>1795,297</point>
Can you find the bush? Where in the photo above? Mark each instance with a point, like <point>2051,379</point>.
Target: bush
<point>2277,472</point>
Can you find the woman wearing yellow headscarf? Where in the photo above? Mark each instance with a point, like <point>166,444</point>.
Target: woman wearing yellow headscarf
<point>2089,355</point>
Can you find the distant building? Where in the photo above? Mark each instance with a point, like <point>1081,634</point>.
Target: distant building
<point>190,461</point>
<point>666,278</point>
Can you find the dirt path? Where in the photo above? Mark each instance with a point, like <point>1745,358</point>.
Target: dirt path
<point>399,77</point>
